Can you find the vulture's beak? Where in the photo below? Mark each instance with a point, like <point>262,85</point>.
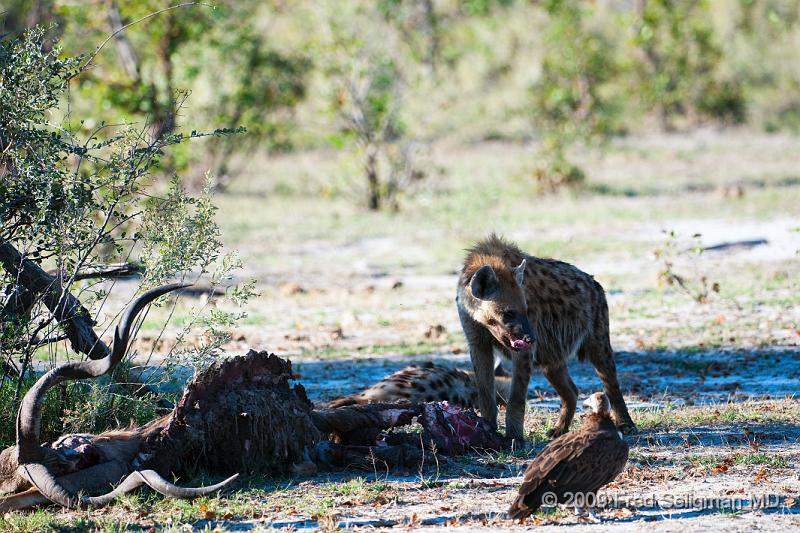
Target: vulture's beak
<point>587,404</point>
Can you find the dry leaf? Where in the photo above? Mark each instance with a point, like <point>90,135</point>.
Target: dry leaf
<point>719,469</point>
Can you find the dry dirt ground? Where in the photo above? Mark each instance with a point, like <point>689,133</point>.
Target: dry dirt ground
<point>350,297</point>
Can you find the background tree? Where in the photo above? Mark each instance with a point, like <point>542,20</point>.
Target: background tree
<point>456,71</point>
<point>258,88</point>
<point>573,99</point>
<point>252,84</point>
<point>366,89</point>
<point>678,74</point>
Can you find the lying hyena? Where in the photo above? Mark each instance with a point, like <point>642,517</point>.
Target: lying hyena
<point>534,311</point>
<point>428,382</point>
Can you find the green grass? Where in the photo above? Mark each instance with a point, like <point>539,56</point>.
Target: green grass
<point>738,458</point>
<point>43,520</point>
<point>76,407</point>
<point>676,417</point>
<point>357,487</point>
<point>401,348</point>
<point>775,461</point>
<point>32,521</point>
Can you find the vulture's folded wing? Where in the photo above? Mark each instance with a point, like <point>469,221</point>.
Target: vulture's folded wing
<point>579,462</point>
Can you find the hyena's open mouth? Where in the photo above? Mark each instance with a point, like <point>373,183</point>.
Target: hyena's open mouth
<point>521,344</point>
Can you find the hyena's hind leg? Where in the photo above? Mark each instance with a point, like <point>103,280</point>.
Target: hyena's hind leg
<point>602,358</point>
<point>558,376</point>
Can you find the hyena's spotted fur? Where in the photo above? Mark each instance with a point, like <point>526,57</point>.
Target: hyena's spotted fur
<point>428,382</point>
<point>535,312</point>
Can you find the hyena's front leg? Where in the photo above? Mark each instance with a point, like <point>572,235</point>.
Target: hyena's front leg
<point>480,352</point>
<point>518,400</point>
<point>483,363</point>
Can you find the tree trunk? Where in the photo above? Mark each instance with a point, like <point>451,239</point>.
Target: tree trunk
<point>125,50</point>
<point>432,30</point>
<point>373,182</point>
<point>67,310</point>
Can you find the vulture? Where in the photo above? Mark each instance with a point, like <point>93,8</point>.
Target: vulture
<point>578,462</point>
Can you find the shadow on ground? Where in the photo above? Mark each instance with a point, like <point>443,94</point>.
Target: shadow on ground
<point>650,378</point>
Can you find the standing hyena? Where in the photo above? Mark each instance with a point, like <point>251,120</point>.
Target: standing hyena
<point>534,311</point>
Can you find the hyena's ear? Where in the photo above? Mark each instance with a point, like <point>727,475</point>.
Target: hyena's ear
<point>484,284</point>
<point>519,272</point>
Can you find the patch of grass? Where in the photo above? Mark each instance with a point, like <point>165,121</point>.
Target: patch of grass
<point>504,457</point>
<point>775,461</point>
<point>357,487</point>
<point>314,506</point>
<point>401,348</point>
<point>537,424</point>
<point>431,483</point>
<point>667,418</point>
<point>42,520</point>
<point>738,458</point>
<point>243,504</point>
<point>27,521</point>
<point>553,513</point>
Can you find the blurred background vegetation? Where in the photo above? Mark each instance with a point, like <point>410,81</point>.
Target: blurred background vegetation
<point>382,79</point>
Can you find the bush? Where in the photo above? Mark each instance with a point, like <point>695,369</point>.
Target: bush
<point>71,205</point>
<point>573,100</point>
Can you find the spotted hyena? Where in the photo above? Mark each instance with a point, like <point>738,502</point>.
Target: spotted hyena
<point>428,382</point>
<point>535,312</point>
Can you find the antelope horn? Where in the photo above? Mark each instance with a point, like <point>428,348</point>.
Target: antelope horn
<point>30,453</point>
<point>29,416</point>
<point>44,481</point>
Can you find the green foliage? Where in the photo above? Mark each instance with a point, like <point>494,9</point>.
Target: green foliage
<point>572,100</point>
<point>424,69</point>
<point>70,205</point>
<point>261,90</point>
<point>368,82</point>
<point>35,192</point>
<point>253,84</point>
<point>77,407</point>
<point>761,54</point>
<point>679,71</point>
<point>179,234</point>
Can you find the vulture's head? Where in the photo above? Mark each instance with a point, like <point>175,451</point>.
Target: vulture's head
<point>598,403</point>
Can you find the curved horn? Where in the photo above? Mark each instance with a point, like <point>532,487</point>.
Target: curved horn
<point>29,415</point>
<point>152,479</point>
<point>44,481</point>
